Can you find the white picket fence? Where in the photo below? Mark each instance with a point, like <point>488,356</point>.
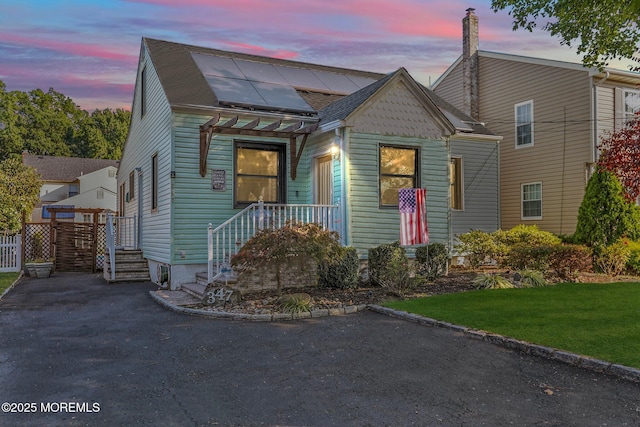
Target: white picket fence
<point>10,253</point>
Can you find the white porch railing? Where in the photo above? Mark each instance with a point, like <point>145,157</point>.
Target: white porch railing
<point>121,233</point>
<point>10,253</point>
<point>226,240</point>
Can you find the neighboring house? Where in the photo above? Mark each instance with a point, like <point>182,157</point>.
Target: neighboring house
<point>214,131</point>
<point>551,114</point>
<point>74,182</point>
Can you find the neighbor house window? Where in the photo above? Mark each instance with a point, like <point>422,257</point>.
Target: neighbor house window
<point>456,183</point>
<point>154,182</point>
<point>74,189</point>
<point>260,173</point>
<point>143,92</point>
<point>532,201</point>
<point>131,186</point>
<point>631,104</point>
<point>398,169</point>
<point>524,124</point>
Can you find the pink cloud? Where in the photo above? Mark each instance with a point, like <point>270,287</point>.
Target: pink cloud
<point>262,51</point>
<point>95,51</point>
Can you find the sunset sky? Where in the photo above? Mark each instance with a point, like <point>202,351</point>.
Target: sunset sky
<point>88,49</point>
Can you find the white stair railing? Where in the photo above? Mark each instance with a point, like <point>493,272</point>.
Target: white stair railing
<point>121,233</point>
<point>226,240</point>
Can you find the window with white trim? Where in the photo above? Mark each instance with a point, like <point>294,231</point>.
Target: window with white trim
<point>532,201</point>
<point>524,124</point>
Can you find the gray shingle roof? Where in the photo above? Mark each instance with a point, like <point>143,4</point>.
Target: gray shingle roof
<point>64,169</point>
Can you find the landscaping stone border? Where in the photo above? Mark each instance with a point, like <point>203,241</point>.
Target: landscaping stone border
<point>596,365</point>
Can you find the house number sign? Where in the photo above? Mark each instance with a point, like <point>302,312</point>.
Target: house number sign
<point>218,180</point>
<point>218,296</point>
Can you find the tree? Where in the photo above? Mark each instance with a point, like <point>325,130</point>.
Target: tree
<point>602,29</point>
<point>620,154</point>
<point>19,191</point>
<point>605,215</point>
<point>52,124</point>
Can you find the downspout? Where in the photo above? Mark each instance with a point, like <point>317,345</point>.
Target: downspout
<point>345,232</point>
<point>594,115</point>
<point>140,209</point>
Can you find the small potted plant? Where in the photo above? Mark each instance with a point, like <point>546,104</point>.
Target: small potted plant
<point>39,268</point>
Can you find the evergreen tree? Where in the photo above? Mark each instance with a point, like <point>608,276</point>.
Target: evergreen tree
<point>605,214</point>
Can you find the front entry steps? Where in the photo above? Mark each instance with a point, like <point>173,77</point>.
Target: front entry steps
<point>131,266</point>
<point>199,287</point>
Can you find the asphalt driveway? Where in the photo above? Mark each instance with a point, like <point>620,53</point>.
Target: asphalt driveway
<point>75,351</point>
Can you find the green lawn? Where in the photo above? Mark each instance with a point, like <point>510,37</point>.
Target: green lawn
<point>597,320</point>
<point>6,280</point>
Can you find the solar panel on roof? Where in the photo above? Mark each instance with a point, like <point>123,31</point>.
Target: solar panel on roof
<point>361,81</point>
<point>336,82</point>
<point>282,96</point>
<point>211,65</point>
<point>301,78</point>
<point>235,91</point>
<point>260,72</point>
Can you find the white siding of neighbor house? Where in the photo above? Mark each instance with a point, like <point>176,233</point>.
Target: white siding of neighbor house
<point>148,135</point>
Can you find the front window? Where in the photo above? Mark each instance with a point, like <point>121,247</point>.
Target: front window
<point>455,182</point>
<point>532,201</point>
<point>398,169</point>
<point>524,124</point>
<point>260,173</point>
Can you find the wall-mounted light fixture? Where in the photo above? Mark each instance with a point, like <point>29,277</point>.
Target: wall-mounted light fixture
<point>335,151</point>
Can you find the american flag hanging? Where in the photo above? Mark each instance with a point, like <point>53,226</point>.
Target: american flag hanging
<point>412,203</point>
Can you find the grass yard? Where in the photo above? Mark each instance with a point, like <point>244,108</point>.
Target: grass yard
<point>597,320</point>
<point>6,280</point>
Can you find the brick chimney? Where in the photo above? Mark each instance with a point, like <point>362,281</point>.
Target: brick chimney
<point>470,63</point>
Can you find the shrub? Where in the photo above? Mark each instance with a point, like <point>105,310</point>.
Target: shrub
<point>389,267</point>
<point>613,259</point>
<point>568,260</point>
<point>342,272</point>
<point>275,246</point>
<point>491,281</point>
<point>478,246</point>
<point>532,279</point>
<point>634,257</point>
<point>526,234</point>
<point>431,261</point>
<point>524,257</point>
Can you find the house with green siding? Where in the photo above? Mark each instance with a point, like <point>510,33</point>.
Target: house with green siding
<point>224,143</point>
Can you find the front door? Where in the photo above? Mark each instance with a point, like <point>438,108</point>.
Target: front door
<point>323,194</point>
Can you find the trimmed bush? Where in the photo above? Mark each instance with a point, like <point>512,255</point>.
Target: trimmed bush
<point>431,261</point>
<point>568,260</point>
<point>390,268</point>
<point>526,235</point>
<point>524,257</point>
<point>342,272</point>
<point>479,246</point>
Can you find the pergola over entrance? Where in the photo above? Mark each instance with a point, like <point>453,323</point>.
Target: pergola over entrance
<point>229,127</point>
<point>75,244</point>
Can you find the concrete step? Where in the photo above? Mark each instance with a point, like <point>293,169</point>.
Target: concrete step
<point>195,289</point>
